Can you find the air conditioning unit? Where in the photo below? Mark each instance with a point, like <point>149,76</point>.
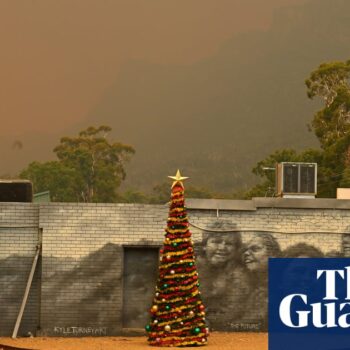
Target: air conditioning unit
<point>296,180</point>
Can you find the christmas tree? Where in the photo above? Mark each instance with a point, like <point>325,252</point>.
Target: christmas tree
<point>178,314</point>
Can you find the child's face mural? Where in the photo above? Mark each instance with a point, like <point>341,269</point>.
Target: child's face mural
<point>255,254</point>
<point>220,249</point>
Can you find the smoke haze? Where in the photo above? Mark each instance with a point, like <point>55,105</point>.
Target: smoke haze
<point>226,71</point>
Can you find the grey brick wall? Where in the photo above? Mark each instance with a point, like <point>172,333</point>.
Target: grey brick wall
<point>82,257</point>
<point>19,234</point>
<point>320,227</point>
<point>80,280</point>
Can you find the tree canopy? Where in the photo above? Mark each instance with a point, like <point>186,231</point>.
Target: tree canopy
<point>90,168</point>
<point>331,125</point>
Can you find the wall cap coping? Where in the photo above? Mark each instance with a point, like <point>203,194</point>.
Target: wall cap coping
<point>208,204</point>
<point>220,204</point>
<point>262,202</point>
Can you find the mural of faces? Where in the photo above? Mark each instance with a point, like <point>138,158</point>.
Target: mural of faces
<point>220,249</point>
<point>233,279</point>
<point>302,250</point>
<point>257,251</point>
<point>221,246</point>
<point>224,283</point>
<point>255,255</point>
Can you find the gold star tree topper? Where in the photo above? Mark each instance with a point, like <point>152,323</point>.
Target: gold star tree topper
<point>178,179</point>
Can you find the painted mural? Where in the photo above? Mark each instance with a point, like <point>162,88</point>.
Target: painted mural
<point>224,282</point>
<point>14,271</point>
<point>113,286</point>
<point>233,269</point>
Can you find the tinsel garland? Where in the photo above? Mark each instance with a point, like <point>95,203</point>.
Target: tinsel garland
<point>178,314</point>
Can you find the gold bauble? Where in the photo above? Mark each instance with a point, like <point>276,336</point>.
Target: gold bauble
<point>167,328</point>
<point>154,308</point>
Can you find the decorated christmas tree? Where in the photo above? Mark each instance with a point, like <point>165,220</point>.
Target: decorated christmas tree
<point>178,314</point>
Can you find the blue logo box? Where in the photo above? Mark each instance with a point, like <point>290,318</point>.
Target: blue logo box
<point>309,304</point>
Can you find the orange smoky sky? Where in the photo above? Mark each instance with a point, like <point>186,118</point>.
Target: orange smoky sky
<point>59,56</point>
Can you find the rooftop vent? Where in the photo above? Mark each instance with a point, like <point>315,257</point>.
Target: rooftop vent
<point>296,180</point>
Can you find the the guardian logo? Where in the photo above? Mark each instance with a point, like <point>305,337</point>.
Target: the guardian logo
<point>309,304</point>
<point>322,310</point>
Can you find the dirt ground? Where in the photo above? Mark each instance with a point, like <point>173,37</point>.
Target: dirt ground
<point>217,340</point>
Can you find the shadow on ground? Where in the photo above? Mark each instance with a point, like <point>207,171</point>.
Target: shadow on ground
<point>6,347</point>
